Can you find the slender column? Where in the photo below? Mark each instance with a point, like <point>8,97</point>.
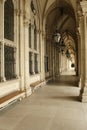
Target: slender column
<point>50,59</point>
<point>42,39</point>
<point>79,56</point>
<point>53,60</point>
<point>2,40</point>
<point>82,56</point>
<point>32,46</point>
<point>17,15</point>
<point>38,57</point>
<point>83,93</point>
<point>21,44</point>
<point>26,57</point>
<point>59,63</point>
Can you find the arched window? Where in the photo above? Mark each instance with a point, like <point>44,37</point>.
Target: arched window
<point>35,36</point>
<point>29,35</point>
<point>9,51</point>
<point>9,20</point>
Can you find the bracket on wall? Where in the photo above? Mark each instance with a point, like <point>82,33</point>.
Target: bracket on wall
<point>33,8</point>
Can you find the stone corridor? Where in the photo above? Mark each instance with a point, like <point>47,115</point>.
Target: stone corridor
<point>53,107</point>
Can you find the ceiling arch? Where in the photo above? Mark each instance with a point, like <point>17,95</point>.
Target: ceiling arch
<point>61,15</point>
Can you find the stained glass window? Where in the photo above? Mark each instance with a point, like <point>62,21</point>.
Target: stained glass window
<point>29,35</point>
<point>35,63</point>
<point>30,62</point>
<point>9,20</point>
<point>46,64</point>
<point>9,60</point>
<point>35,38</point>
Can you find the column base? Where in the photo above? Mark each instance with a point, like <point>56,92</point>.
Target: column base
<point>28,91</point>
<point>79,83</point>
<point>83,95</point>
<point>2,79</point>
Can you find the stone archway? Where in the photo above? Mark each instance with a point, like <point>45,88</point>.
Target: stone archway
<point>60,15</point>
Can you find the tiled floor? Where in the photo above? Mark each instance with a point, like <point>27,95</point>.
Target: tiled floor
<point>53,107</point>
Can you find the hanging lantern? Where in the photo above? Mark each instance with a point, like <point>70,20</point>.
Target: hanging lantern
<point>57,37</point>
<point>67,54</point>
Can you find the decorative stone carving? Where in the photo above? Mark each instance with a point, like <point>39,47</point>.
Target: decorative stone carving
<point>18,12</point>
<point>33,8</point>
<point>84,6</point>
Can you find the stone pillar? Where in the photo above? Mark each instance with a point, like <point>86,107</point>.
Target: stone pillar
<point>56,62</point>
<point>32,46</point>
<point>49,55</point>
<point>53,60</point>
<point>81,82</point>
<point>26,57</point>
<point>38,49</point>
<point>17,15</point>
<point>42,43</point>
<point>59,63</point>
<point>83,92</point>
<point>79,56</point>
<point>21,45</point>
<point>2,76</point>
<point>50,59</point>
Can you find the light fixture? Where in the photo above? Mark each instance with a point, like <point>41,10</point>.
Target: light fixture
<point>68,54</point>
<point>57,36</point>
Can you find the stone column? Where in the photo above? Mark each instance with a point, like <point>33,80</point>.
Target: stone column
<point>21,45</point>
<point>50,59</point>
<point>2,76</point>
<point>38,49</point>
<point>59,63</point>
<point>32,46</point>
<point>26,57</point>
<point>17,15</point>
<point>53,60</point>
<point>42,43</point>
<point>81,82</point>
<point>83,92</point>
<point>79,56</point>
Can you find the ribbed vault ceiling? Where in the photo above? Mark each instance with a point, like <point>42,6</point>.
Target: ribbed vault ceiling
<point>61,14</point>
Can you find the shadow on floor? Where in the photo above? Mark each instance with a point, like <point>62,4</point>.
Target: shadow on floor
<point>65,81</point>
<point>66,98</point>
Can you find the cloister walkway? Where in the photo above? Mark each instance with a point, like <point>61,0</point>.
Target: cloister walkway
<point>53,107</point>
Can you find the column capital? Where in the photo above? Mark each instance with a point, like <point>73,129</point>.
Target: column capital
<point>1,1</point>
<point>32,26</point>
<point>44,35</point>
<point>84,6</point>
<point>19,12</point>
<point>26,22</point>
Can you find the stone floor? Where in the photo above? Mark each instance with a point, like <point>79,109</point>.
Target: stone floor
<point>53,107</point>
